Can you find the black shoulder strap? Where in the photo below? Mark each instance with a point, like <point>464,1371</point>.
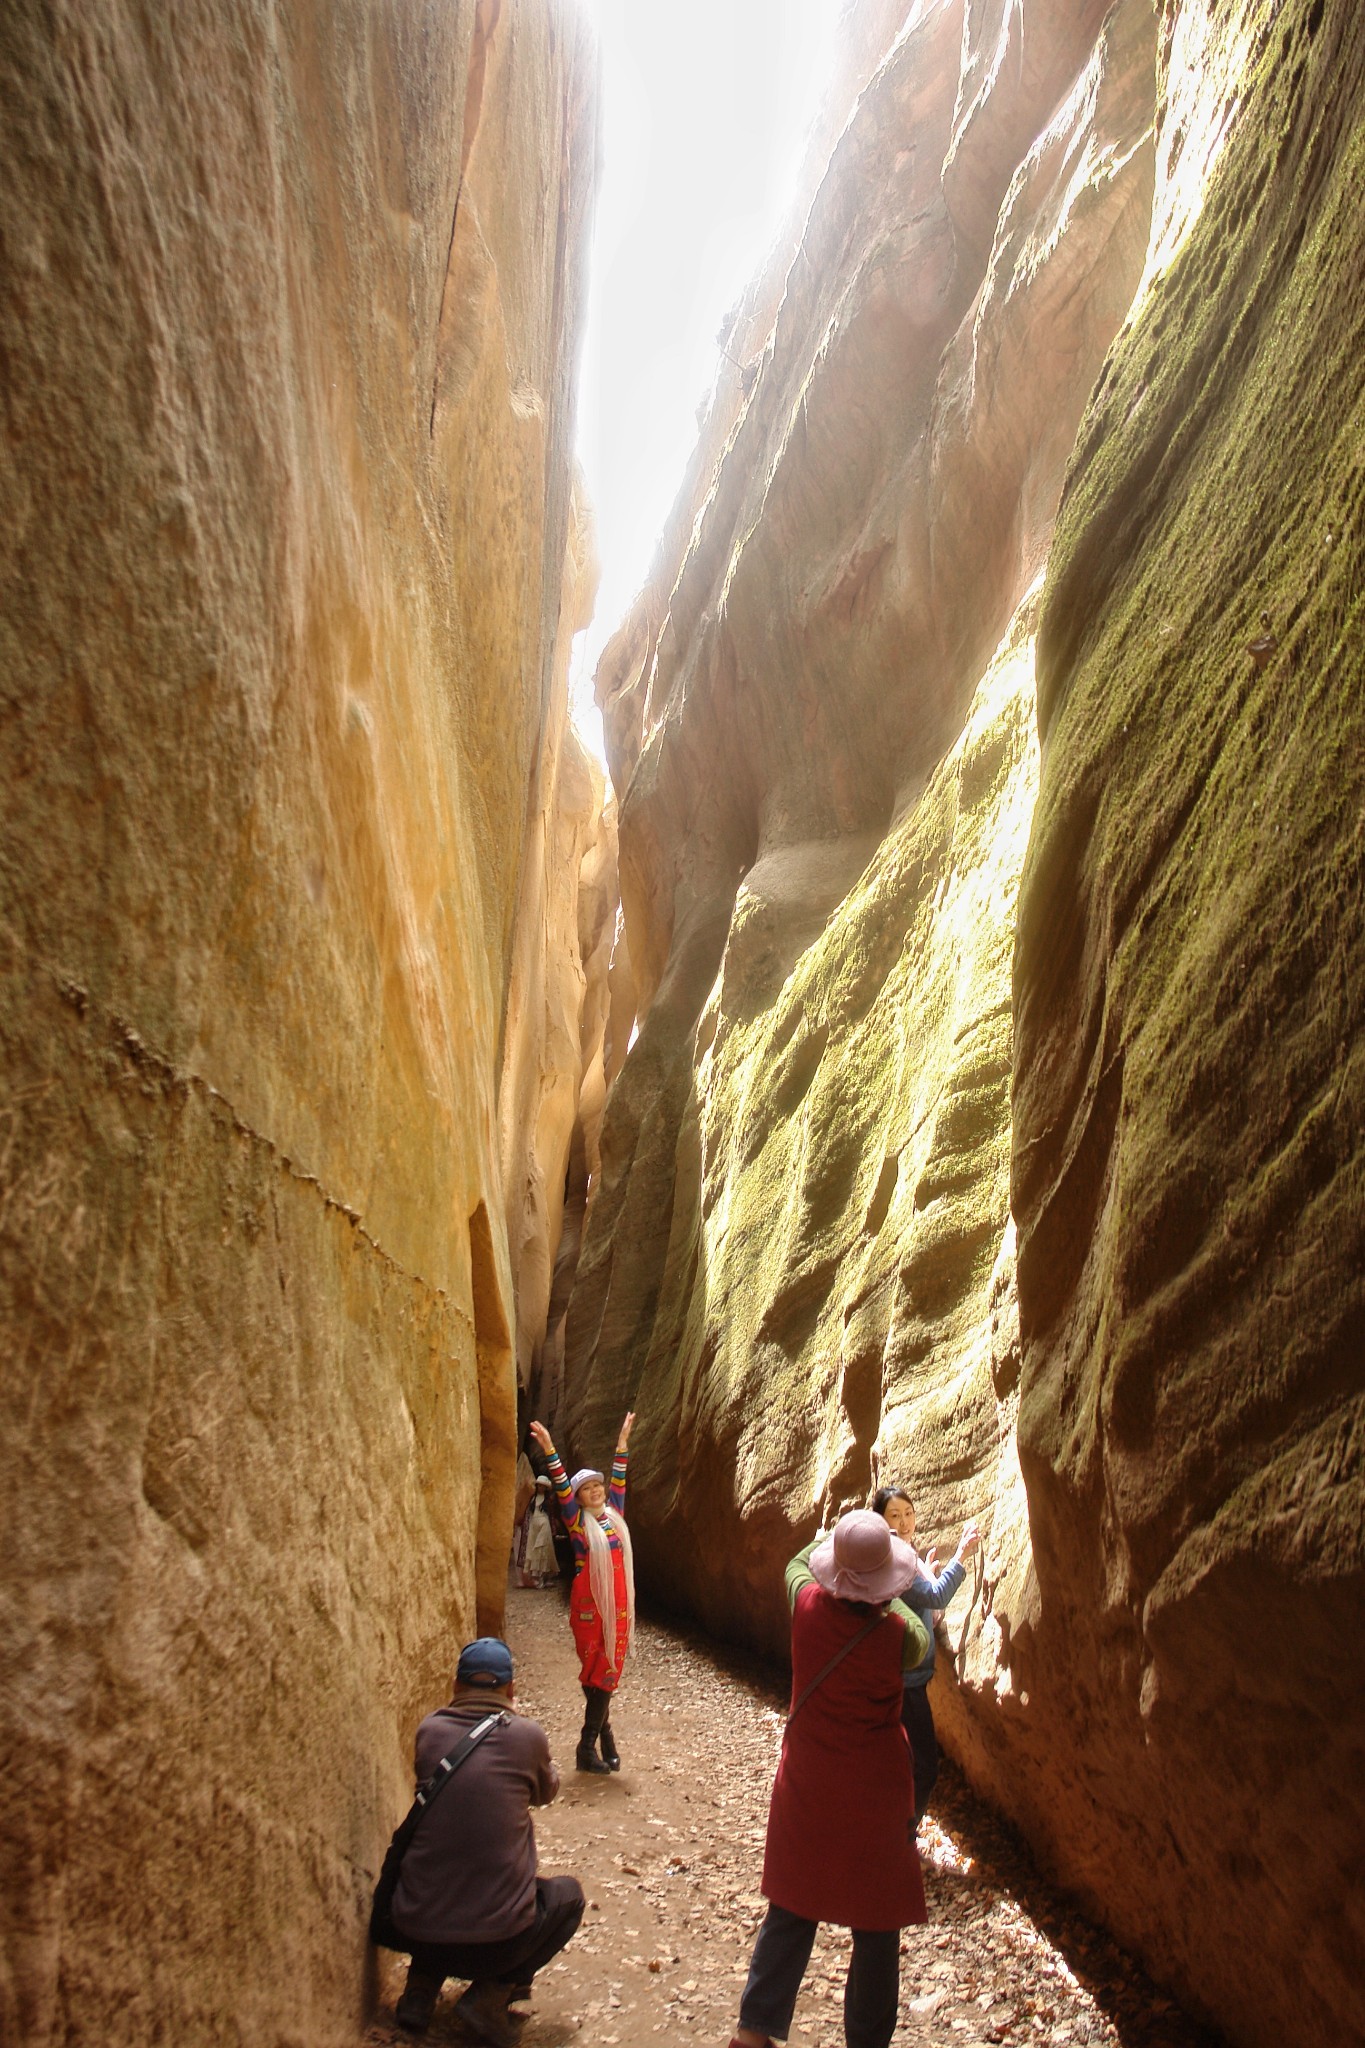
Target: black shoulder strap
<point>382,1930</point>
<point>837,1658</point>
<point>450,1763</point>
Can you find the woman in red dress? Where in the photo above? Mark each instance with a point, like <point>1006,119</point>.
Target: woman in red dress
<point>841,1824</point>
<point>602,1603</point>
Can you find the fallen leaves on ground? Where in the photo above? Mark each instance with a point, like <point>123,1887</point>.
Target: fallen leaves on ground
<point>670,1851</point>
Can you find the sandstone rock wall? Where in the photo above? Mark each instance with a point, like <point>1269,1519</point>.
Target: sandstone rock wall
<point>554,1077</point>
<point>288,321</point>
<point>826,693</point>
<point>865,1061</point>
<point>1189,1164</point>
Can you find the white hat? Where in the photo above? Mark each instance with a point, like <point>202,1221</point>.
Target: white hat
<point>582,1478</point>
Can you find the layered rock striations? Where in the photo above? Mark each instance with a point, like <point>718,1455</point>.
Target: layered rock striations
<point>288,325</point>
<point>1189,1173</point>
<point>867,1063</point>
<point>555,1036</point>
<point>822,715</point>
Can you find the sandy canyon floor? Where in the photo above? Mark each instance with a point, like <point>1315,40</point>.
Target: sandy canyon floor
<point>670,1851</point>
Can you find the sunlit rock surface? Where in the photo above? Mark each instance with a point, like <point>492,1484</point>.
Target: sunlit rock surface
<point>557,1003</point>
<point>828,697</point>
<point>801,1261</point>
<point>288,320</point>
<point>1189,1178</point>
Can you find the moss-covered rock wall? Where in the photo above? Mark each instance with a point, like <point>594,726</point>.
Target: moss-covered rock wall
<point>1016,1152</point>
<point>1189,1178</point>
<point>799,1257</point>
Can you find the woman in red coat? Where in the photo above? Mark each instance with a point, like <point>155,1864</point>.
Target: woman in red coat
<point>841,1841</point>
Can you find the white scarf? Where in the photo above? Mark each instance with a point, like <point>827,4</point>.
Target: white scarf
<point>602,1576</point>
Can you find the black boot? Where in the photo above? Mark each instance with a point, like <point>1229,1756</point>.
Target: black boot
<point>483,2012</point>
<point>418,2002</point>
<point>594,1714</point>
<point>611,1755</point>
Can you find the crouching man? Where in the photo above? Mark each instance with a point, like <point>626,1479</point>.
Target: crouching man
<point>468,1902</point>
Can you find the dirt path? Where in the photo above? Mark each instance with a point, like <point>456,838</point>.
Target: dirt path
<point>669,1854</point>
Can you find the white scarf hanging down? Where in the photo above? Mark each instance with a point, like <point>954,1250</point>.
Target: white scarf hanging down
<point>602,1577</point>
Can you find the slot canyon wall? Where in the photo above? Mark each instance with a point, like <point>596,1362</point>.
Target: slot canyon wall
<point>556,1041</point>
<point>290,561</point>
<point>995,1115</point>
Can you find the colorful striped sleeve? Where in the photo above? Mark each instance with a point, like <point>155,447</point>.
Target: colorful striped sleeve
<point>570,1513</point>
<point>617,1494</point>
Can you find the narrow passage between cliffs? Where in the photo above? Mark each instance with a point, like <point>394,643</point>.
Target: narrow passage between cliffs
<point>670,1852</point>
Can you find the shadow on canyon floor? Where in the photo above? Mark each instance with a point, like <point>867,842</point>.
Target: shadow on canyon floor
<point>670,1854</point>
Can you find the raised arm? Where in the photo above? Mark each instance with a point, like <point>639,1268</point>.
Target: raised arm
<point>935,1589</point>
<point>571,1514</point>
<point>617,1493</point>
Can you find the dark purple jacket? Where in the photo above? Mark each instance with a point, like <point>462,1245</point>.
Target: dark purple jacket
<point>470,1870</point>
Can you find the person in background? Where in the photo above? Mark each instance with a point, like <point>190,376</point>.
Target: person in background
<point>539,1565</point>
<point>602,1601</point>
<point>565,1556</point>
<point>928,1592</point>
<point>840,1844</point>
<point>468,1902</point>
<point>523,1498</point>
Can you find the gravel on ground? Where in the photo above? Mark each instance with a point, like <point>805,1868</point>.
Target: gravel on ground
<point>670,1852</point>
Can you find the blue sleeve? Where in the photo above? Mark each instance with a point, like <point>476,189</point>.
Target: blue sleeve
<point>926,1593</point>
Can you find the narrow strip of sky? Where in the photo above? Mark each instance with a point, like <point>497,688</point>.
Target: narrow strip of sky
<point>706,106</point>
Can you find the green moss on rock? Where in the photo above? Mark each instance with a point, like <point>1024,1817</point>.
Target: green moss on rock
<point>1190,1077</point>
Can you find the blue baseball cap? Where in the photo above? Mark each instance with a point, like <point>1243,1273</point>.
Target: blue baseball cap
<point>486,1661</point>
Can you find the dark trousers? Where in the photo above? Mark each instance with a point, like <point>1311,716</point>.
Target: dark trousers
<point>918,1720</point>
<point>781,1953</point>
<point>559,1908</point>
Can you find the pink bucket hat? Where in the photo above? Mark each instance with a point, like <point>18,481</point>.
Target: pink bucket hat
<point>862,1560</point>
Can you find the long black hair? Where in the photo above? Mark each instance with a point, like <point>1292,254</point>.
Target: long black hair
<point>886,1494</point>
